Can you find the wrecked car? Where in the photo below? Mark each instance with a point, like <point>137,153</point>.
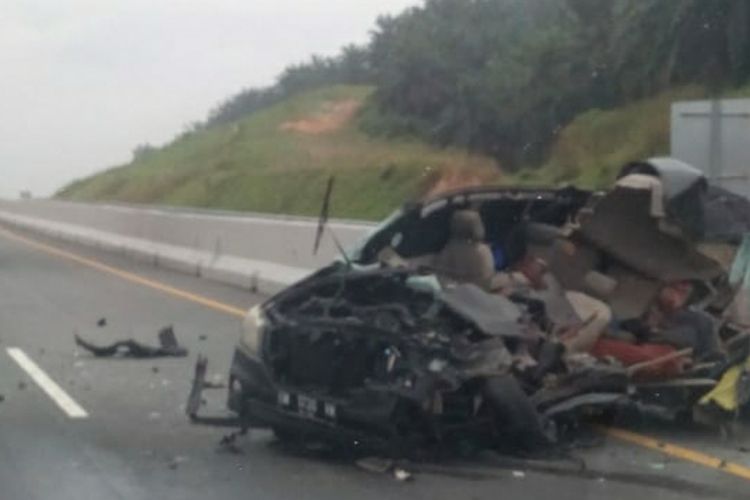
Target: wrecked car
<point>368,351</point>
<point>413,340</point>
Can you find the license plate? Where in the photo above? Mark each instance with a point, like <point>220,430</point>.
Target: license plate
<point>307,406</point>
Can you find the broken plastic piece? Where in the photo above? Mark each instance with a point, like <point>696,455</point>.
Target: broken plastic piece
<point>134,349</point>
<point>195,401</point>
<point>199,381</point>
<point>377,465</point>
<point>402,474</point>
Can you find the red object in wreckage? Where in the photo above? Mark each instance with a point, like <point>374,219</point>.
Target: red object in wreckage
<point>629,354</point>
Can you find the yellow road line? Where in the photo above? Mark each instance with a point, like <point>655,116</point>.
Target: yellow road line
<point>696,457</point>
<point>133,278</point>
<point>676,451</point>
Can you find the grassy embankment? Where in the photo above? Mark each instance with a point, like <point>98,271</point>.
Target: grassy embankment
<point>278,160</point>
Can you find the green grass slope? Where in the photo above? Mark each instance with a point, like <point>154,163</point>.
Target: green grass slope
<point>591,149</point>
<point>278,160</point>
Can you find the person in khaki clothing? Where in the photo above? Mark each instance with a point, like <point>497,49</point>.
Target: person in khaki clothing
<point>466,258</point>
<point>580,319</point>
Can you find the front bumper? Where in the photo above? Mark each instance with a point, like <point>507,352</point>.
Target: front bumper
<point>365,420</point>
<point>248,378</point>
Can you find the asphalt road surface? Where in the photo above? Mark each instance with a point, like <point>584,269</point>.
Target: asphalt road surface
<point>75,427</point>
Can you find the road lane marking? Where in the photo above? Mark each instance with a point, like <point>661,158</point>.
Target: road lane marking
<point>49,386</point>
<point>686,454</point>
<point>676,451</point>
<point>132,277</point>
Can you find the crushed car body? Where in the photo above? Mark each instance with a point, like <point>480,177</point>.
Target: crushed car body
<point>497,317</point>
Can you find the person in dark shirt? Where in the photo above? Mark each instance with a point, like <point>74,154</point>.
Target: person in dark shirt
<point>667,327</point>
<point>670,321</point>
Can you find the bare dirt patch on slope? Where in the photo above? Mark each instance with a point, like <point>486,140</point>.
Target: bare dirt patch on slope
<point>332,116</point>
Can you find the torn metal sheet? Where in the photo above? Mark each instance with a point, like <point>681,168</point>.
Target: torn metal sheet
<point>640,243</point>
<point>491,314</point>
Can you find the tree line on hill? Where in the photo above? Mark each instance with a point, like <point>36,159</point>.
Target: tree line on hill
<point>502,77</point>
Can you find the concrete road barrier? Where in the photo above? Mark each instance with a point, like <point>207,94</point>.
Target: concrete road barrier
<point>252,251</point>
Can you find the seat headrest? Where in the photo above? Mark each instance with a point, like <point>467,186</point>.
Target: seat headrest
<point>466,225</point>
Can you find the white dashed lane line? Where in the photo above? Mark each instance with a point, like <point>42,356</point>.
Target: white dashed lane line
<point>49,386</point>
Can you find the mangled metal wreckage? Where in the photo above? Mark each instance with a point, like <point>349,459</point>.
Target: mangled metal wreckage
<point>408,343</point>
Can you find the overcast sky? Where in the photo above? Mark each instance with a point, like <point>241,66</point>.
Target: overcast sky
<point>84,81</point>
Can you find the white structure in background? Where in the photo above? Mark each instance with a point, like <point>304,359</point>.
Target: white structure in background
<point>714,136</point>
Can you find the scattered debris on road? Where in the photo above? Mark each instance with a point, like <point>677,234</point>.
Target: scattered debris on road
<point>199,384</point>
<point>216,381</point>
<point>176,462</point>
<point>228,443</point>
<point>402,474</point>
<point>133,349</point>
<point>195,401</point>
<point>214,385</point>
<point>377,465</point>
<point>380,465</point>
<point>102,322</point>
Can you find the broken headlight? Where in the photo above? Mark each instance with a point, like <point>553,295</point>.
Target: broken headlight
<point>252,331</point>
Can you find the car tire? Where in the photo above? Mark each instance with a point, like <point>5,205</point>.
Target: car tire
<point>517,420</point>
